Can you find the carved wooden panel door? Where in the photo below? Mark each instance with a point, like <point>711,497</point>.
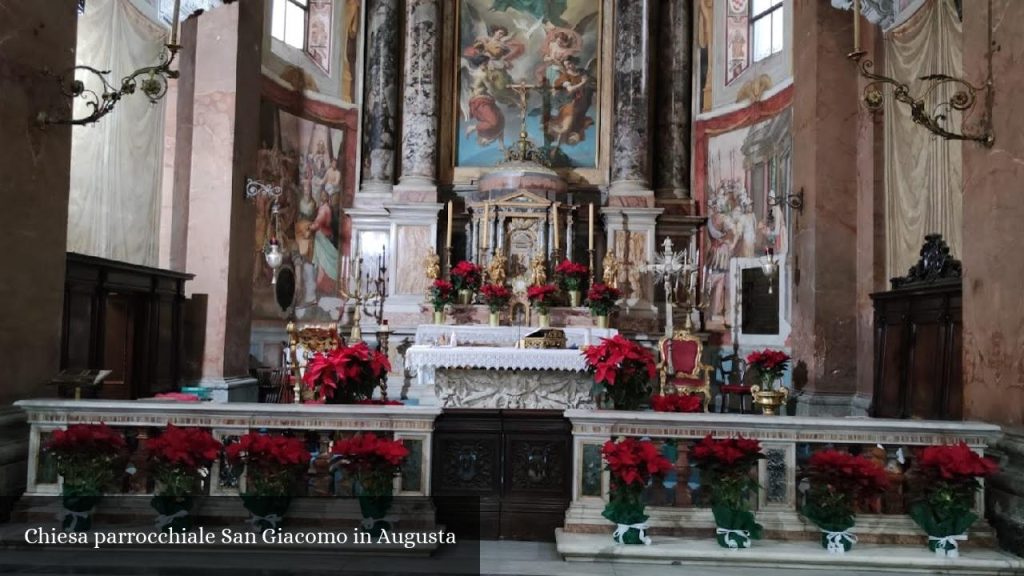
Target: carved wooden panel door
<point>505,473</point>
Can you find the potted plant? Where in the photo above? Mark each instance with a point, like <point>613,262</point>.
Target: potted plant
<point>838,481</point>
<point>374,462</point>
<point>179,458</point>
<point>601,299</point>
<point>725,476</point>
<point>680,403</point>
<point>90,457</point>
<point>633,464</point>
<point>623,371</point>
<point>441,294</point>
<point>945,486</point>
<point>272,464</point>
<point>496,297</point>
<point>542,298</point>
<point>347,374</point>
<point>466,280</point>
<point>571,277</point>
<point>770,365</point>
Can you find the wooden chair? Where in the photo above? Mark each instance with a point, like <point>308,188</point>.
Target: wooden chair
<point>681,369</point>
<point>303,343</point>
<point>732,383</point>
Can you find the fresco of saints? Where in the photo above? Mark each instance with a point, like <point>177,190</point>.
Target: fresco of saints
<point>325,253</point>
<point>494,54</point>
<point>569,125</point>
<point>490,120</point>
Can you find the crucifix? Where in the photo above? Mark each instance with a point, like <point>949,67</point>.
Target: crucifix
<point>668,267</point>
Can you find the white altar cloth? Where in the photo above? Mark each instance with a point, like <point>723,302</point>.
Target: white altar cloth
<point>428,358</point>
<point>479,335</point>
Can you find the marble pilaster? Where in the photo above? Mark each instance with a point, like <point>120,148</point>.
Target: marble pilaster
<point>420,103</point>
<point>674,90</point>
<point>631,234</point>
<point>413,233</point>
<point>380,98</point>
<point>631,146</point>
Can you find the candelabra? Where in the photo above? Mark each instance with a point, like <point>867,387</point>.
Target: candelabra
<point>362,291</point>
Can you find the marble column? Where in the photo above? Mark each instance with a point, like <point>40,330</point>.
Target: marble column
<point>631,147</point>
<point>420,103</point>
<point>380,98</point>
<point>674,87</point>
<point>225,83</point>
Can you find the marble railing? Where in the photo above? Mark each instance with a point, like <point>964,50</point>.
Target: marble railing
<point>676,505</point>
<point>319,425</point>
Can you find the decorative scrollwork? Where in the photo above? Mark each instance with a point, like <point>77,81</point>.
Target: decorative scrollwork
<point>254,188</point>
<point>936,264</point>
<point>151,81</point>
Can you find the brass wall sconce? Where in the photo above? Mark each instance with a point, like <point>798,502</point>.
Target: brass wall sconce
<point>963,99</point>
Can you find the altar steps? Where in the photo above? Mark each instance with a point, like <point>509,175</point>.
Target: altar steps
<point>779,554</point>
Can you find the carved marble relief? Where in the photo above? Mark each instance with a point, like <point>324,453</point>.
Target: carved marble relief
<point>543,390</point>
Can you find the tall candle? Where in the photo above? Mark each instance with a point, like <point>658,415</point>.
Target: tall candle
<point>448,242</point>
<point>856,25</point>
<point>174,22</point>
<point>487,224</point>
<point>590,224</point>
<point>554,209</point>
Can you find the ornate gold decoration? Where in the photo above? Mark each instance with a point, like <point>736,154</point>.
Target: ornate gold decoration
<point>769,400</point>
<point>700,370</point>
<point>432,265</point>
<point>963,100</point>
<point>496,269</point>
<point>538,271</point>
<point>547,338</point>
<point>611,269</point>
<point>312,339</point>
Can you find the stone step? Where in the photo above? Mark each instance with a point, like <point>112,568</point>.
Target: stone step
<point>705,552</point>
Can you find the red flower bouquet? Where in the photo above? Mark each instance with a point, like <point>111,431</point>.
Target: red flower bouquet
<point>633,464</point>
<point>374,461</point>
<point>496,297</point>
<point>725,477</point>
<point>467,276</point>
<point>90,458</point>
<point>838,480</point>
<point>601,299</point>
<point>442,293</point>
<point>542,297</point>
<point>272,465</point>
<point>946,482</point>
<point>770,364</point>
<point>346,374</point>
<point>571,275</point>
<point>623,371</point>
<point>178,459</point>
<point>677,403</point>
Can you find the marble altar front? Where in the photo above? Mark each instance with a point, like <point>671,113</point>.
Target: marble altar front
<point>478,335</point>
<point>501,377</point>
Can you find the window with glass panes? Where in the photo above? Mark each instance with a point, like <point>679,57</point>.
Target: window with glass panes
<point>766,27</point>
<point>288,23</point>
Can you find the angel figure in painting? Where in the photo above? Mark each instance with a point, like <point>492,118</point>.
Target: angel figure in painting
<point>573,89</point>
<point>494,54</point>
<point>490,120</point>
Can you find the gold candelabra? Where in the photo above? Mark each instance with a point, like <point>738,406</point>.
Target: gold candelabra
<point>362,290</point>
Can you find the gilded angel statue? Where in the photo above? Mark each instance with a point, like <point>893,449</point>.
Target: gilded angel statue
<point>432,265</point>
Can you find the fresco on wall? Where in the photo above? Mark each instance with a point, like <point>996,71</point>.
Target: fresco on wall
<point>743,166</point>
<point>737,34</point>
<point>705,42</point>
<point>305,158</point>
<point>551,44</point>
<point>318,33</point>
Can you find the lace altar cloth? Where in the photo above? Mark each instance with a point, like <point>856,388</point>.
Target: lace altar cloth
<point>476,335</point>
<point>419,357</point>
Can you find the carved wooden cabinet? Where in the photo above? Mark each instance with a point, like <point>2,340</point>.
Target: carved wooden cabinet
<point>918,340</point>
<point>125,318</point>
<point>505,473</point>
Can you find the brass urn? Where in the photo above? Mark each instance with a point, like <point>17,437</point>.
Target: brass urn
<point>770,400</point>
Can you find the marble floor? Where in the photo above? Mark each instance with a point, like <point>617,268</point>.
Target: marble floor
<point>498,559</point>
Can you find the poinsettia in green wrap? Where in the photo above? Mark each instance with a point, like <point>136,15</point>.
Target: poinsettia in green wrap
<point>839,480</point>
<point>374,461</point>
<point>272,465</point>
<point>90,457</point>
<point>179,458</point>
<point>725,475</point>
<point>633,464</point>
<point>945,486</point>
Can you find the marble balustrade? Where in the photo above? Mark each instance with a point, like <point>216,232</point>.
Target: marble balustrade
<point>318,424</point>
<point>675,503</point>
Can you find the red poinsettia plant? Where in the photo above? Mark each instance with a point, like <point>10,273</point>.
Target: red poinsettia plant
<point>725,476</point>
<point>770,365</point>
<point>496,296</point>
<point>272,462</point>
<point>623,371</point>
<point>374,460</point>
<point>687,403</point>
<point>346,374</point>
<point>946,479</point>
<point>179,457</point>
<point>633,464</point>
<point>442,293</point>
<point>601,299</point>
<point>571,275</point>
<point>838,480</point>
<point>89,457</point>
<point>467,276</point>
<point>542,297</point>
